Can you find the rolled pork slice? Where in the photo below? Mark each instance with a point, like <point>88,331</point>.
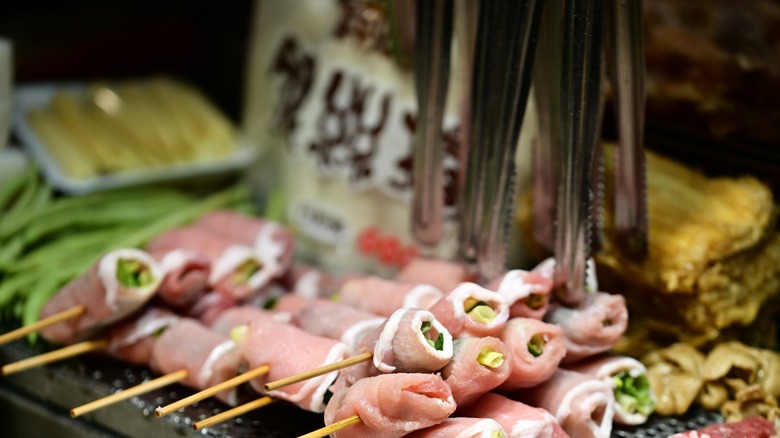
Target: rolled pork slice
<point>208,357</point>
<point>546,269</point>
<point>527,293</point>
<point>391,405</point>
<point>519,420</point>
<point>185,276</point>
<point>273,242</point>
<point>132,341</point>
<point>478,365</point>
<point>335,321</point>
<point>310,282</point>
<point>239,316</point>
<point>583,405</point>
<point>593,327</point>
<point>440,273</point>
<point>288,351</point>
<point>471,310</point>
<point>117,285</point>
<point>462,427</point>
<point>753,427</point>
<point>634,398</point>
<point>236,270</point>
<point>536,349</point>
<point>409,341</point>
<point>383,297</point>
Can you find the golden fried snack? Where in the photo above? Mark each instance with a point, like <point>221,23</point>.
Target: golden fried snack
<point>713,262</point>
<point>749,401</point>
<point>675,376</point>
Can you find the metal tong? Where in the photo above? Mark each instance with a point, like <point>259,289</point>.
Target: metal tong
<point>502,67</point>
<point>434,23</point>
<point>566,182</point>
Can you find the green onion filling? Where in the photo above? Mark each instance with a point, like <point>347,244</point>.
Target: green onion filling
<point>606,323</point>
<point>238,333</point>
<point>535,301</point>
<point>157,333</point>
<point>479,311</point>
<point>426,330</point>
<point>271,303</point>
<point>536,345</point>
<point>245,271</point>
<point>633,393</point>
<point>133,273</point>
<point>490,358</point>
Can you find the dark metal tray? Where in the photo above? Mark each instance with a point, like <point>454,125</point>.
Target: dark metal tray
<point>71,383</point>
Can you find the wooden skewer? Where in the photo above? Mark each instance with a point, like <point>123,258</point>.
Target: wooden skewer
<point>208,392</point>
<point>335,427</point>
<point>54,356</point>
<point>270,386</point>
<point>34,327</point>
<point>143,388</point>
<point>235,412</point>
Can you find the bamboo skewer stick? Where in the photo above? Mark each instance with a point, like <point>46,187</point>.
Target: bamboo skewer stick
<point>54,356</point>
<point>235,412</point>
<point>162,411</point>
<point>34,327</point>
<point>143,388</point>
<point>335,427</point>
<point>270,386</point>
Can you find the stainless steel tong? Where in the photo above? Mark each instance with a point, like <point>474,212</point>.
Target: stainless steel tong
<point>502,67</point>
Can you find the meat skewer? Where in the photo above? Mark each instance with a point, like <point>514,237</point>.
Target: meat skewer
<point>117,285</point>
<point>462,427</point>
<point>401,344</point>
<point>383,297</point>
<point>527,293</point>
<point>537,349</point>
<point>38,325</point>
<point>232,413</point>
<point>54,356</point>
<point>471,310</point>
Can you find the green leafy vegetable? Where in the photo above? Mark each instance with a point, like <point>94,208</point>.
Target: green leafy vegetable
<point>633,393</point>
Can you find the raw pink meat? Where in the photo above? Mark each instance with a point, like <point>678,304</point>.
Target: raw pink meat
<point>399,345</point>
<point>186,275</point>
<point>243,315</point>
<point>225,257</point>
<point>527,293</point>
<point>462,427</point>
<point>208,357</point>
<point>593,327</point>
<point>132,341</point>
<point>584,406</point>
<point>445,275</point>
<point>451,311</point>
<point>527,370</point>
<point>289,350</point>
<point>751,427</point>
<point>468,378</point>
<point>391,405</point>
<point>104,299</point>
<point>604,367</point>
<point>383,297</point>
<point>311,282</point>
<point>273,242</point>
<point>519,420</point>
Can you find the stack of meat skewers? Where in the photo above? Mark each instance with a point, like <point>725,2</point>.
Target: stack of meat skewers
<point>504,357</point>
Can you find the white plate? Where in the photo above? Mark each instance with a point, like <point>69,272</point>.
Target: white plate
<point>31,97</point>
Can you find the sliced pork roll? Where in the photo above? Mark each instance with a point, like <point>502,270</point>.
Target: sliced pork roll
<point>584,406</point>
<point>208,307</point>
<point>311,282</point>
<point>478,365</point>
<point>208,357</point>
<point>471,310</point>
<point>519,420</point>
<point>634,397</point>
<point>462,427</point>
<point>117,285</point>
<point>536,349</point>
<point>442,274</point>
<point>409,341</point>
<point>273,243</point>
<point>383,297</point>
<point>242,315</point>
<point>391,405</point>
<point>546,269</point>
<point>332,320</point>
<point>132,341</point>
<point>288,350</point>
<point>236,270</point>
<point>186,275</point>
<point>527,293</point>
<point>593,327</point>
